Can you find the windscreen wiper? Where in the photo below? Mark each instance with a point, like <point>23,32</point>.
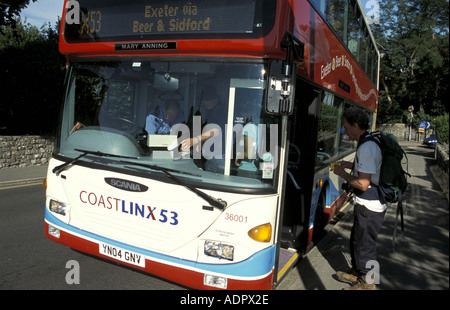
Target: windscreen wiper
<point>61,167</point>
<point>214,202</point>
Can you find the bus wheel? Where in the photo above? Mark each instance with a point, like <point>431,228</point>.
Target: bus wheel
<point>319,220</point>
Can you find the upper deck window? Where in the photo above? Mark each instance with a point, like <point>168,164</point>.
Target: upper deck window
<point>347,21</point>
<point>138,20</point>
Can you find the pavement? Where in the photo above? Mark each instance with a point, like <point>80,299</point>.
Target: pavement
<point>27,175</point>
<point>415,260</point>
<point>418,259</point>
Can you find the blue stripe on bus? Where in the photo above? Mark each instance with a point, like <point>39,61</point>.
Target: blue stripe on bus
<point>256,265</point>
<point>331,195</point>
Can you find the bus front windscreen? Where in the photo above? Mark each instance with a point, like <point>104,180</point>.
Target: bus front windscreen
<point>204,122</point>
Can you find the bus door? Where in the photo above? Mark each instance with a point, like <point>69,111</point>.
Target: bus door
<point>299,176</point>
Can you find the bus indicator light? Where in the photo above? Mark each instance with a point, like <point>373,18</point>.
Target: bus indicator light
<point>261,233</point>
<point>319,182</point>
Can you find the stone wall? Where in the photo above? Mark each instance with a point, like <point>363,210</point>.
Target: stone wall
<point>401,131</point>
<point>442,159</point>
<point>23,151</point>
<point>442,155</point>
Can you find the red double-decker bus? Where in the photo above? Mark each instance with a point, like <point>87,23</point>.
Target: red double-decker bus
<point>196,136</point>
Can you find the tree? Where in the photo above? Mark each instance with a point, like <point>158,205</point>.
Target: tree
<point>32,74</point>
<point>441,125</point>
<point>413,37</point>
<point>9,9</point>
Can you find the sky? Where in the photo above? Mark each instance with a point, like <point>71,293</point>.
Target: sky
<point>43,11</point>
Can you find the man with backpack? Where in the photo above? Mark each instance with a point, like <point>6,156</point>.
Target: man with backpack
<point>369,211</point>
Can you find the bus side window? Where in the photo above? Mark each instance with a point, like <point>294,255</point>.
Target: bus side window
<point>329,128</point>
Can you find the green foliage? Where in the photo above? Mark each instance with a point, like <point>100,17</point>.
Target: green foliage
<point>441,124</point>
<point>413,38</point>
<point>9,9</point>
<point>32,73</point>
<point>388,113</point>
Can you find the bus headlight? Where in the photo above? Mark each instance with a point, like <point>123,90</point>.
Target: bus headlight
<point>261,233</point>
<point>218,249</point>
<point>58,207</point>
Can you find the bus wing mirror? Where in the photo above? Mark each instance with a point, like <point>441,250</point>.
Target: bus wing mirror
<point>280,90</point>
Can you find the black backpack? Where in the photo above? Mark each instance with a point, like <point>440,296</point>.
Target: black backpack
<point>393,181</point>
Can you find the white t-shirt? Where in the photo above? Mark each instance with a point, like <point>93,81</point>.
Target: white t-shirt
<point>368,160</point>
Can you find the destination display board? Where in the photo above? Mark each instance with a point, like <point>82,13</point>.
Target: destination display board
<point>118,20</point>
